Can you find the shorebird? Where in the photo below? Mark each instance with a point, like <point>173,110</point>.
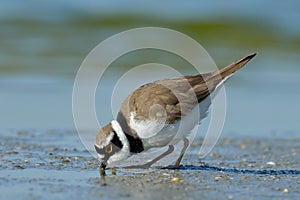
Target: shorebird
<point>149,117</point>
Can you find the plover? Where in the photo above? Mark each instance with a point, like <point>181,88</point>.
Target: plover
<point>150,116</point>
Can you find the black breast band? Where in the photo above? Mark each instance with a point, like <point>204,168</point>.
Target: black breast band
<point>135,143</point>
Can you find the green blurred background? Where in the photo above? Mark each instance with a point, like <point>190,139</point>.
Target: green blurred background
<point>42,44</point>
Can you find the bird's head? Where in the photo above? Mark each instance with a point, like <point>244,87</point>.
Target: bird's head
<point>111,144</point>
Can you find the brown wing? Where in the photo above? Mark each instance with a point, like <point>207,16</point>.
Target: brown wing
<point>169,99</point>
<point>174,98</point>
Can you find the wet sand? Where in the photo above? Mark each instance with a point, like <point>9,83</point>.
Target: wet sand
<point>54,164</point>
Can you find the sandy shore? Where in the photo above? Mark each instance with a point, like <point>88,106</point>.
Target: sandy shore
<point>54,164</point>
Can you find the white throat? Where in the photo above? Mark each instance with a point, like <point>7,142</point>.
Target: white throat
<point>125,151</point>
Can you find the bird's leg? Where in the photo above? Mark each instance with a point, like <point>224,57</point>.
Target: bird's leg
<point>185,146</point>
<point>148,164</point>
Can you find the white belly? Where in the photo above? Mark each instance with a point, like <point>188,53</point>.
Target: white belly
<point>156,133</point>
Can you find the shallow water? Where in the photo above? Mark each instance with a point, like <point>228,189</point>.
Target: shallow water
<point>42,53</point>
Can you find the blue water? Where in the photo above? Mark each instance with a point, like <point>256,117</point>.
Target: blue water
<point>42,48</point>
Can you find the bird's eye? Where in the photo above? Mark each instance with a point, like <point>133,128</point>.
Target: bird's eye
<point>109,149</point>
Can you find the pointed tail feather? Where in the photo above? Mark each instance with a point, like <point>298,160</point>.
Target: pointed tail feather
<point>220,76</point>
<point>213,80</point>
<point>230,69</point>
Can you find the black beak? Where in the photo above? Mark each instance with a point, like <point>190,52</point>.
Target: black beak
<point>103,164</point>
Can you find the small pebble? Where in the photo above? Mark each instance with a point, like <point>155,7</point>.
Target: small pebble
<point>175,179</point>
<point>19,147</point>
<point>18,167</point>
<point>11,152</point>
<point>27,155</point>
<point>215,155</point>
<point>250,165</point>
<point>66,160</point>
<point>58,166</point>
<point>202,164</point>
<point>218,178</point>
<point>22,133</point>
<point>76,158</point>
<point>271,163</point>
<point>39,164</point>
<point>286,190</point>
<point>113,170</point>
<point>227,141</point>
<point>89,162</point>
<point>53,148</point>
